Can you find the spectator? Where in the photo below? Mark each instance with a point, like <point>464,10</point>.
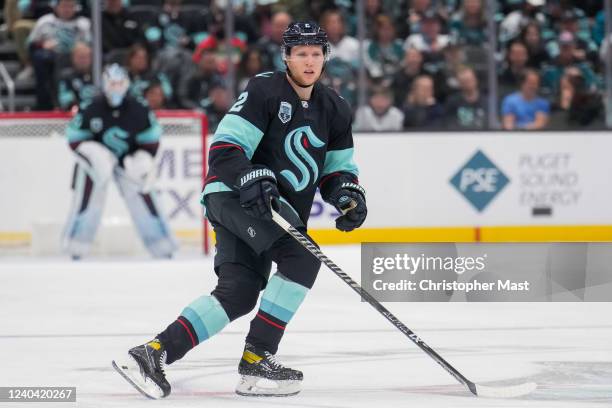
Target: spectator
<point>429,41</point>
<point>467,109</point>
<point>447,82</point>
<point>194,89</point>
<point>564,12</point>
<point>154,95</point>
<point>342,46</point>
<point>120,30</point>
<point>219,103</point>
<point>216,42</point>
<point>576,106</point>
<point>51,42</point>
<point>411,67</point>
<point>379,115</point>
<point>175,29</point>
<point>468,26</point>
<point>569,56</point>
<point>76,85</point>
<point>384,52</point>
<point>20,18</point>
<point>341,76</point>
<point>372,9</point>
<point>585,47</point>
<point>531,37</point>
<point>517,59</point>
<point>421,109</point>
<point>138,65</point>
<point>524,109</point>
<point>513,23</point>
<point>410,22</point>
<point>598,32</point>
<point>251,64</point>
<point>270,46</point>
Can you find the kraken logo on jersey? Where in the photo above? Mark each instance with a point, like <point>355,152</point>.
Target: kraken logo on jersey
<point>115,139</point>
<point>293,144</point>
<point>284,112</point>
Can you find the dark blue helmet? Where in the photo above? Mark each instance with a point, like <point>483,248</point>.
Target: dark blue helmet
<point>304,33</point>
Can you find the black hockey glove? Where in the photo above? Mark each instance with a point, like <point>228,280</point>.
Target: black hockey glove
<point>258,192</point>
<point>349,199</point>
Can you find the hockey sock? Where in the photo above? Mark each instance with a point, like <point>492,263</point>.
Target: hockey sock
<point>200,320</point>
<point>279,303</point>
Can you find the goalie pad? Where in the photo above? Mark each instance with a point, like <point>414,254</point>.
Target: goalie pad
<point>145,211</point>
<point>95,159</point>
<point>86,211</point>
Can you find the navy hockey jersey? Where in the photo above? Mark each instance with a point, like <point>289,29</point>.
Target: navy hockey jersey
<point>305,143</point>
<point>123,129</point>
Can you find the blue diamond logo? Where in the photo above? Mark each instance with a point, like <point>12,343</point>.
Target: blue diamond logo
<point>479,181</point>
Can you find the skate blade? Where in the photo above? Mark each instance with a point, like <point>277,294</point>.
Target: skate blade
<point>250,386</point>
<point>131,373</point>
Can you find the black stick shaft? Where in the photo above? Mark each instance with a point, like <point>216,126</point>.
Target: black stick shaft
<point>373,302</point>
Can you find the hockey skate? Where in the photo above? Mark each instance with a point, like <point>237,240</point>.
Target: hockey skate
<point>144,369</point>
<point>262,375</point>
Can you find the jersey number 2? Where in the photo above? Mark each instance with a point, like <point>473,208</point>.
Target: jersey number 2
<point>237,107</point>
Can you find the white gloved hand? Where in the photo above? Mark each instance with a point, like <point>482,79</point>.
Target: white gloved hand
<point>139,166</point>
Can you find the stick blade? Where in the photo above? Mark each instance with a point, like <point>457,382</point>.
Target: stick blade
<point>511,391</point>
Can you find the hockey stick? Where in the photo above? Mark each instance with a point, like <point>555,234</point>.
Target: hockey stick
<point>476,389</point>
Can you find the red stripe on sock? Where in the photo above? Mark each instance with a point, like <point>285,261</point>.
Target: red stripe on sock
<point>193,342</point>
<point>270,322</point>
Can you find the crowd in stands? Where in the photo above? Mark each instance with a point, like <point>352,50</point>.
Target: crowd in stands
<point>426,61</point>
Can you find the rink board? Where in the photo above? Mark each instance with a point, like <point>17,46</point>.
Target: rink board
<point>421,187</point>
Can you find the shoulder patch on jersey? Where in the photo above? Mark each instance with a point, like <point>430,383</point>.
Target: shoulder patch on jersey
<point>284,112</point>
<point>96,125</point>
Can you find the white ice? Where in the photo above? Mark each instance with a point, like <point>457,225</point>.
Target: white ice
<point>62,322</point>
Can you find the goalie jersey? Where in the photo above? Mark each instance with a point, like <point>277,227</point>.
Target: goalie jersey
<point>307,144</point>
<point>123,130</point>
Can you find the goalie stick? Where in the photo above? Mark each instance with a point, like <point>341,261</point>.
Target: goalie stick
<point>476,389</point>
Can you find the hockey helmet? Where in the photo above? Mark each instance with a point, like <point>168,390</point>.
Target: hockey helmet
<point>304,33</point>
<point>115,84</point>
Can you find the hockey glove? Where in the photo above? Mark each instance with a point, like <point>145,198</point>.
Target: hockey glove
<point>258,192</point>
<point>138,165</point>
<point>349,199</point>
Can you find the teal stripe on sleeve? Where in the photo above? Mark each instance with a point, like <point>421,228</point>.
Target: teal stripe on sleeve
<point>239,131</point>
<point>151,135</point>
<point>340,160</point>
<point>77,135</point>
<point>216,187</point>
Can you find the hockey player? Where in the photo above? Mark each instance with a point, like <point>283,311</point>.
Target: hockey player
<point>285,136</point>
<point>115,137</point>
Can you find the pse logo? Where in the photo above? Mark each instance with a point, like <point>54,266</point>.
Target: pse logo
<point>479,180</point>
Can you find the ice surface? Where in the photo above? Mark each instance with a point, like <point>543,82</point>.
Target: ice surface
<point>61,323</point>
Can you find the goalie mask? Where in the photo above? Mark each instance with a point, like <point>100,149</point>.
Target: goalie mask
<point>115,84</point>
